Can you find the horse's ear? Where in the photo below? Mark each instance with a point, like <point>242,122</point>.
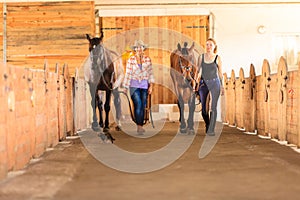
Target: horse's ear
<point>179,47</point>
<point>102,35</point>
<point>88,37</point>
<point>192,47</point>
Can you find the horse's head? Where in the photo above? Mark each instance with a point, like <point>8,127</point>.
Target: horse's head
<point>93,42</point>
<point>102,66</point>
<point>97,63</point>
<point>186,61</point>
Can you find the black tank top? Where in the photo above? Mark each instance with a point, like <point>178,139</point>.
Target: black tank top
<point>209,70</point>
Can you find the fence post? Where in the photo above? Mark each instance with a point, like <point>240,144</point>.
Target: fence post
<point>240,99</point>
<point>60,104</point>
<point>298,107</point>
<point>9,80</point>
<point>68,100</point>
<point>232,97</point>
<point>266,87</point>
<point>251,106</point>
<point>225,115</point>
<point>282,99</point>
<point>3,123</point>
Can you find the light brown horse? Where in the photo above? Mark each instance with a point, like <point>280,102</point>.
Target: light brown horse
<point>183,73</point>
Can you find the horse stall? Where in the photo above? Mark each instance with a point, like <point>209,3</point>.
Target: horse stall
<point>271,102</point>
<point>43,43</point>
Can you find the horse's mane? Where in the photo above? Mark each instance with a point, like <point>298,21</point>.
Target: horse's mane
<point>116,60</point>
<point>174,60</point>
<point>175,55</point>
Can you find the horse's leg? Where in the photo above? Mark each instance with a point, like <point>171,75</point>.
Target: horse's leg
<point>181,114</point>
<point>192,106</point>
<point>93,102</point>
<point>99,103</point>
<point>107,109</point>
<point>117,103</point>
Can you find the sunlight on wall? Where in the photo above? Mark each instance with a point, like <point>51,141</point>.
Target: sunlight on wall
<point>286,45</point>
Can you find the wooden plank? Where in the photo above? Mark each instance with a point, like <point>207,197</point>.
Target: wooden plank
<point>1,31</point>
<point>45,6</point>
<point>49,30</point>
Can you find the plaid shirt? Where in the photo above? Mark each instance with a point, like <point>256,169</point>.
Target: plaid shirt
<point>133,71</point>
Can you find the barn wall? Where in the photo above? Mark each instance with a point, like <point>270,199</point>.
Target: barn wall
<point>1,31</point>
<point>51,32</point>
<point>162,34</point>
<point>42,103</point>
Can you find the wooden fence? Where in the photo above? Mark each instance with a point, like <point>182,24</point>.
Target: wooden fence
<point>39,108</point>
<point>268,104</point>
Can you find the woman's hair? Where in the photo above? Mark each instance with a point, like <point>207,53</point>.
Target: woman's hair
<point>215,43</point>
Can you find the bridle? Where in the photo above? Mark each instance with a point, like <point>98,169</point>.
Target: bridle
<point>186,69</point>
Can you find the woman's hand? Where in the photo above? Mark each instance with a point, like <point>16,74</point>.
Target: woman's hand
<point>150,89</point>
<point>222,90</point>
<point>125,90</point>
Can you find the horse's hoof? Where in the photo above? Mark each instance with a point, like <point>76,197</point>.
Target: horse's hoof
<point>191,132</point>
<point>102,136</point>
<point>106,129</point>
<point>183,130</point>
<point>118,128</point>
<point>110,137</point>
<point>210,133</point>
<point>96,128</point>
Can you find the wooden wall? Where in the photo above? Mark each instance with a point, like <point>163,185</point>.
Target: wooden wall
<point>41,102</point>
<point>162,33</point>
<point>1,32</point>
<point>52,32</point>
<point>270,102</point>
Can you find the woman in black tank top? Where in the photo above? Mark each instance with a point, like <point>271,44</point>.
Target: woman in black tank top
<point>210,76</point>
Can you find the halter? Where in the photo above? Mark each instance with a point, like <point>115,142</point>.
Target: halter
<point>186,69</point>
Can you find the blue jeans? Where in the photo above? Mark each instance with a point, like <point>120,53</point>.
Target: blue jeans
<point>214,87</point>
<point>139,97</point>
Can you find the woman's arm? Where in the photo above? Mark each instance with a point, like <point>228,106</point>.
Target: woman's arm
<point>127,78</point>
<point>199,69</point>
<point>151,76</point>
<point>220,74</point>
<point>219,62</point>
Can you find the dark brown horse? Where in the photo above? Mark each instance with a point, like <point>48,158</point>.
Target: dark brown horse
<point>102,77</point>
<point>183,73</point>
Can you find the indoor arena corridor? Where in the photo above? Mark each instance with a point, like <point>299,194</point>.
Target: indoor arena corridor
<point>239,166</point>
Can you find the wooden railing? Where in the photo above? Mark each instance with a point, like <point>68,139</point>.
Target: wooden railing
<point>267,104</point>
<point>39,108</point>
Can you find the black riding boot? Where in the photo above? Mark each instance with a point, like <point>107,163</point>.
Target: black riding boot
<point>212,124</point>
<point>205,117</point>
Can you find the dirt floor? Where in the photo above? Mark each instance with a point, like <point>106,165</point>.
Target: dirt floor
<point>240,166</point>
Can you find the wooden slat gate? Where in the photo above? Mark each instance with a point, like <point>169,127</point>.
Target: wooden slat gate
<point>162,33</point>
